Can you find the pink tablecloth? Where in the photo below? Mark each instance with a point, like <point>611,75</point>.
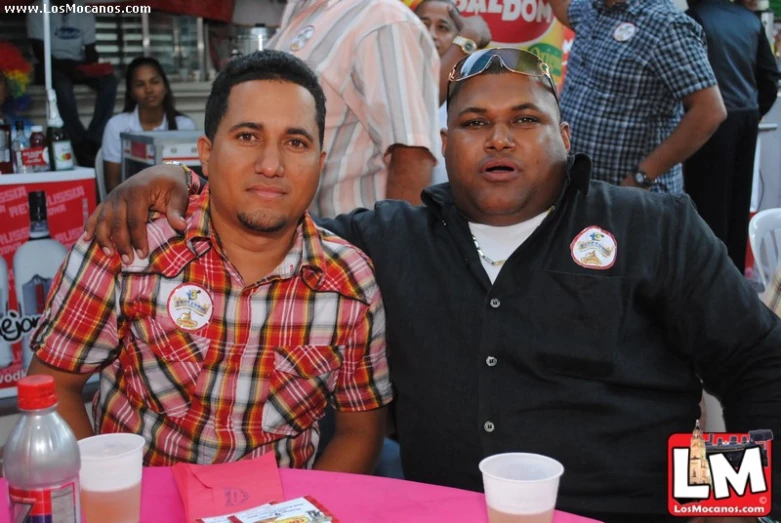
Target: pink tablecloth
<point>351,498</point>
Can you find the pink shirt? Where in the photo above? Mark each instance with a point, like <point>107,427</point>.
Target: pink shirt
<point>380,72</point>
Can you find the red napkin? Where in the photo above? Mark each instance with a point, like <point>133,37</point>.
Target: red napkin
<point>215,490</point>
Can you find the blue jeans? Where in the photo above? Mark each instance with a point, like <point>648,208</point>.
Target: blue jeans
<point>106,89</point>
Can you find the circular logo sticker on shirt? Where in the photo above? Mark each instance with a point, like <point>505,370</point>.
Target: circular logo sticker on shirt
<point>594,248</point>
<point>190,306</point>
<point>624,31</point>
<point>302,38</point>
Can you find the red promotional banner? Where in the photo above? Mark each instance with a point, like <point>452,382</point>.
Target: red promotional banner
<point>42,215</point>
<point>525,24</point>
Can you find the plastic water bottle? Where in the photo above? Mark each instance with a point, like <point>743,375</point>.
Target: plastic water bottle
<point>41,460</point>
<point>18,148</point>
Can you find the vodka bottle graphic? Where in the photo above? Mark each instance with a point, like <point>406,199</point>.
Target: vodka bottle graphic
<point>35,264</point>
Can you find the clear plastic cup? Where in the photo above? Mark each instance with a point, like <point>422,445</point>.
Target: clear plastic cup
<point>520,487</point>
<point>110,478</point>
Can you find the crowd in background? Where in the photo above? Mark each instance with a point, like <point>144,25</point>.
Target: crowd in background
<point>638,118</point>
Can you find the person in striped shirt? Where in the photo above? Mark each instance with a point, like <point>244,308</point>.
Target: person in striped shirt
<point>379,69</point>
<point>229,341</point>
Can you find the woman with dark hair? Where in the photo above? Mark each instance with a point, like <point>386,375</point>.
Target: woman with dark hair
<point>149,106</point>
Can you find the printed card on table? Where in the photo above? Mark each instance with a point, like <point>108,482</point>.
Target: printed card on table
<point>299,510</point>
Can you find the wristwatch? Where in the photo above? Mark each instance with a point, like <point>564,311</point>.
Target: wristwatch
<point>466,45</point>
<point>642,179</point>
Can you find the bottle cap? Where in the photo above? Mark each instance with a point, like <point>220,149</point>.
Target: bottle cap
<point>37,128</point>
<point>36,392</point>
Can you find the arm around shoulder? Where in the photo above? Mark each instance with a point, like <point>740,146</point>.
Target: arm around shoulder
<point>120,222</point>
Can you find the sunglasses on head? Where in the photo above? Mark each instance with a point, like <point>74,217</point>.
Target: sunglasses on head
<point>514,60</point>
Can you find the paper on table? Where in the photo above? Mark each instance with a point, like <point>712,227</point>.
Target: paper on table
<point>299,510</point>
<point>214,490</point>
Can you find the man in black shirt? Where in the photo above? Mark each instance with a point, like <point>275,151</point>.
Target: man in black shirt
<point>719,176</point>
<point>530,309</point>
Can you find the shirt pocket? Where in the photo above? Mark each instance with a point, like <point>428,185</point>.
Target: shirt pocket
<point>577,324</point>
<point>303,379</point>
<point>161,365</point>
<point>626,71</point>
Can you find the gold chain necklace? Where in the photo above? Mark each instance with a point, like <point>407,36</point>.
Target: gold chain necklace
<point>491,262</point>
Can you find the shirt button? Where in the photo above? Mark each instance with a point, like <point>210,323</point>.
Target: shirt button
<point>489,426</point>
<point>491,361</point>
<point>495,303</point>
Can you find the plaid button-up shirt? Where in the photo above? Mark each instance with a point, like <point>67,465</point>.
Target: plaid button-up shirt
<point>623,90</point>
<point>256,378</point>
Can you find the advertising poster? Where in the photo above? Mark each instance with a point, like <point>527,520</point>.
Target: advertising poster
<point>42,215</point>
<point>524,24</point>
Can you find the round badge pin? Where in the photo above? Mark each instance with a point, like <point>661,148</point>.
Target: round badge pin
<point>624,32</point>
<point>190,306</point>
<point>302,38</point>
<point>594,248</point>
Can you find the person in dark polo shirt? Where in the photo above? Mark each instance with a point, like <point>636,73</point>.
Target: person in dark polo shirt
<point>720,174</point>
<point>531,309</point>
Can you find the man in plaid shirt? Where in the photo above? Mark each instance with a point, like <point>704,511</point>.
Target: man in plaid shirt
<point>229,341</point>
<point>635,66</point>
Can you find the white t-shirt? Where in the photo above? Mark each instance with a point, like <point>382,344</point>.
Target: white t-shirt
<point>440,171</point>
<point>70,32</point>
<point>498,243</point>
<point>129,122</point>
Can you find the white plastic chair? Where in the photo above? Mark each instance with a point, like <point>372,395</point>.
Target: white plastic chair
<point>99,175</point>
<point>765,229</point>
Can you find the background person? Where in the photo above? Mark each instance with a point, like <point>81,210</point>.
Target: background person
<point>149,106</point>
<point>379,69</point>
<point>639,93</point>
<point>15,76</point>
<point>454,37</point>
<point>719,176</point>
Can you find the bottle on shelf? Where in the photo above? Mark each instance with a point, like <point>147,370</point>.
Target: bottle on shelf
<point>41,460</point>
<point>38,156</point>
<point>60,148</point>
<point>20,145</point>
<point>6,164</point>
<point>35,264</point>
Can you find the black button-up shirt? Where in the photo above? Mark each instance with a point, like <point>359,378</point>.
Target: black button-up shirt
<point>596,368</point>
